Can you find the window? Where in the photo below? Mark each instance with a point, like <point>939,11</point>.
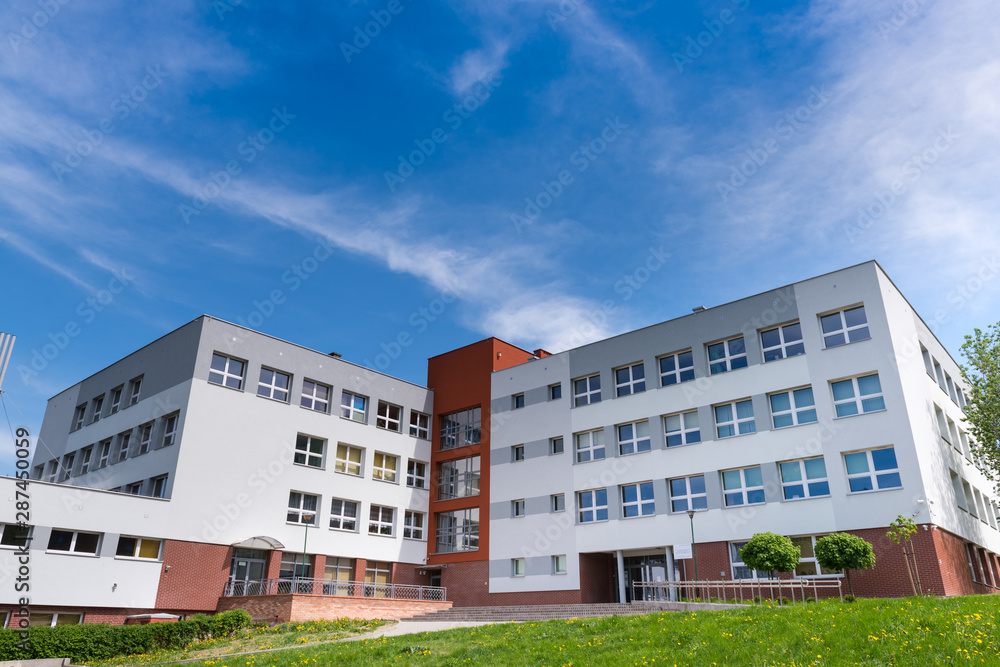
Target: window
<point>315,396</point>
<point>458,478</point>
<point>872,469</point>
<point>589,446</point>
<point>38,471</point>
<point>169,430</point>
<point>134,389</point>
<point>555,445</point>
<point>857,395</point>
<point>53,469</point>
<point>416,474</point>
<point>593,505</point>
<point>676,368</point>
<point>587,390</point>
<point>419,425</point>
<point>227,371</point>
<point>517,567</point>
<point>792,408</point>
<point>98,404</point>
<point>116,399</point>
<point>121,451</point>
<point>805,478</point>
<point>517,453</point>
<point>559,564</point>
<point>338,575</point>
<point>741,571</point>
<point>555,391</point>
<point>75,542</point>
<point>517,401</point>
<point>808,565</point>
<point>353,407</point>
<point>138,547</point>
<point>682,429</point>
<point>457,531</point>
<point>727,355</point>
<point>309,451</point>
<point>688,493</point>
<point>159,487</point>
<point>78,415</point>
<point>951,388</point>
<point>348,459</point>
<point>630,380</point>
<point>517,508</point>
<point>274,384</point>
<point>14,535</point>
<point>133,489</point>
<point>633,438</point>
<point>845,326</point>
<point>295,565</point>
<point>744,486</point>
<point>105,449</point>
<point>343,515</point>
<point>85,456</point>
<point>413,525</point>
<point>378,577</point>
<point>67,466</point>
<point>384,467</point>
<point>145,437</point>
<point>637,500</point>
<point>462,428</point>
<point>782,342</point>
<point>389,416</point>
<point>940,375</point>
<point>928,366</point>
<point>735,419</point>
<point>380,520</point>
<point>302,508</point>
<point>51,620</point>
<point>557,502</point>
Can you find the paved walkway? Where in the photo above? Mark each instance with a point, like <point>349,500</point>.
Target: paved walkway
<point>414,627</point>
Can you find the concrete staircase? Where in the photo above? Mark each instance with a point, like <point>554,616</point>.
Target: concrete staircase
<point>552,611</point>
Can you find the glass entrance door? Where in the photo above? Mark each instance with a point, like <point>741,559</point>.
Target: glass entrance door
<point>645,570</point>
<point>247,572</point>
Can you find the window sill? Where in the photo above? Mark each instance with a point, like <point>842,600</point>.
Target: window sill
<point>370,534</point>
<point>139,560</point>
<point>691,444</point>
<point>860,414</point>
<point>800,354</point>
<point>306,465</point>
<point>363,422</point>
<point>391,430</point>
<point>853,342</point>
<point>349,474</point>
<point>276,400</point>
<point>344,530</point>
<point>579,462</point>
<point>674,384</point>
<point>415,539</point>
<point>71,553</point>
<point>683,512</point>
<point>640,516</point>
<point>421,487</point>
<point>216,384</point>
<point>730,437</point>
<point>298,523</point>
<point>735,507</point>
<point>386,481</point>
<point>795,500</point>
<point>861,493</point>
<point>322,412</point>
<point>782,428</point>
<point>641,451</point>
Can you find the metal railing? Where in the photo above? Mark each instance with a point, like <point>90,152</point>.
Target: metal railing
<point>741,591</point>
<point>359,589</point>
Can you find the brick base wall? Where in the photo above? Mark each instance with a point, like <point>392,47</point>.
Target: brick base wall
<point>193,575</point>
<point>111,616</point>
<point>290,607</point>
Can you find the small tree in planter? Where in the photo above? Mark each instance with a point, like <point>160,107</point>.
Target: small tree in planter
<point>900,531</point>
<point>767,552</point>
<point>843,551</point>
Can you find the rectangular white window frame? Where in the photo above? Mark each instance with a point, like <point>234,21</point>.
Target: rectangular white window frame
<point>804,478</point>
<point>274,384</point>
<point>557,502</point>
<point>344,515</point>
<point>727,355</point>
<point>517,453</point>
<point>116,399</point>
<point>637,500</point>
<point>555,391</point>
<point>169,430</point>
<point>592,506</point>
<point>15,536</point>
<point>559,565</point>
<point>633,438</point>
<point>630,380</point>
<point>736,418</point>
<point>389,417</point>
<point>844,326</point>
<point>517,508</point>
<point>928,364</point>
<point>808,565</point>
<point>227,371</point>
<point>349,459</point>
<point>792,408</point>
<point>857,395</point>
<point>121,448</point>
<point>413,525</point>
<point>145,438</point>
<point>85,459</point>
<point>416,474</point>
<point>587,390</point>
<point>53,470</point>
<point>676,368</point>
<point>310,451</point>
<point>739,570</point>
<point>159,486</point>
<point>134,390</point>
<point>872,470</point>
<point>682,429</point>
<point>315,396</point>
<point>105,453</point>
<point>939,375</point>
<point>380,520</point>
<point>303,508</point>
<point>589,445</point>
<point>517,401</point>
<point>74,542</point>
<point>67,466</point>
<point>743,486</point>
<point>951,388</point>
<point>385,467</point>
<point>420,425</point>
<point>98,406</point>
<point>688,493</point>
<point>556,445</point>
<point>133,489</point>
<point>138,548</point>
<point>517,567</point>
<point>782,342</point>
<point>78,416</point>
<point>353,406</point>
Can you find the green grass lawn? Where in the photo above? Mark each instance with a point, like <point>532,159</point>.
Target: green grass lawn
<point>911,631</point>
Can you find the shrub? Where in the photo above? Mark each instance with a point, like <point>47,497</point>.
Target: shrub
<point>849,598</point>
<point>768,552</point>
<point>843,551</point>
<point>228,622</point>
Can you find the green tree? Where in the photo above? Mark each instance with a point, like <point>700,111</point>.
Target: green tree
<point>900,532</point>
<point>843,551</point>
<point>982,352</point>
<point>767,552</point>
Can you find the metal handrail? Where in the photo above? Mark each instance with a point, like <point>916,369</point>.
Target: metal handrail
<point>734,589</point>
<point>304,586</point>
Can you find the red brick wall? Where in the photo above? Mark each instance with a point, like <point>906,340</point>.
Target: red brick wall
<point>197,576</point>
<point>467,583</point>
<point>597,578</point>
<point>318,607</point>
<point>107,615</point>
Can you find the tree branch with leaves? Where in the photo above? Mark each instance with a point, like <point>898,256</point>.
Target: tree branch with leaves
<point>982,411</point>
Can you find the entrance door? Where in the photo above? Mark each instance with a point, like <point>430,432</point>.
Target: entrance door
<point>646,570</point>
<point>247,572</point>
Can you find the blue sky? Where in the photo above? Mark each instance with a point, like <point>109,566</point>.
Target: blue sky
<point>468,169</point>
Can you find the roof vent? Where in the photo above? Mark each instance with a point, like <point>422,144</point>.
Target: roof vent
<point>335,355</point>
<point>697,309</point>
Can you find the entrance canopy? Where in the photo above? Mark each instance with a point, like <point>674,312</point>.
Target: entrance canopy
<point>259,542</point>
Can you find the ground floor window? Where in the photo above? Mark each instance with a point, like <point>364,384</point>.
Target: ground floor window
<point>338,575</point>
<point>46,619</point>
<point>741,571</point>
<point>378,576</point>
<point>808,565</point>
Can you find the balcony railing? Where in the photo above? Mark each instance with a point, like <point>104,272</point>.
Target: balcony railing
<point>741,590</point>
<point>359,589</point>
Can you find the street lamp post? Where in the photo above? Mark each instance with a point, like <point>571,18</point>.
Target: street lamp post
<point>694,552</point>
